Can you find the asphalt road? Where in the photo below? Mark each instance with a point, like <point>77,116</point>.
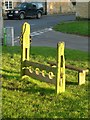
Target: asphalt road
<point>51,38</point>
<point>38,24</point>
<point>43,35</point>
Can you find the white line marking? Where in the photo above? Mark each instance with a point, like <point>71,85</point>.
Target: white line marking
<point>36,33</point>
<point>40,32</point>
<point>32,24</point>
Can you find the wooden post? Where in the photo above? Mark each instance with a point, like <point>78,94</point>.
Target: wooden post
<point>60,82</point>
<point>25,43</point>
<point>81,77</point>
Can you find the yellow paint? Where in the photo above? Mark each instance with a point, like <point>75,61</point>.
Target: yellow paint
<point>25,43</point>
<point>25,40</point>
<point>60,82</point>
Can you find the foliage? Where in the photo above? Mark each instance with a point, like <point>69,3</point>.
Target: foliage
<point>29,98</point>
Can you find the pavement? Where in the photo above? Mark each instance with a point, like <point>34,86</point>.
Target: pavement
<point>51,38</point>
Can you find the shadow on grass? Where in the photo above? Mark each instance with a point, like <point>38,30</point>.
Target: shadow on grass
<point>7,71</point>
<point>36,89</point>
<point>14,82</point>
<point>5,76</point>
<point>33,89</point>
<point>71,83</point>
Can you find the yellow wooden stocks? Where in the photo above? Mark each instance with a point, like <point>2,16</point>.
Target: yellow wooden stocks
<point>57,78</point>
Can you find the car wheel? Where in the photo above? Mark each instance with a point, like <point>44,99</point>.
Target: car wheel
<point>39,15</point>
<point>21,16</point>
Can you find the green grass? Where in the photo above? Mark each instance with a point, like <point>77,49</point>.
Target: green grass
<point>30,98</point>
<point>75,27</point>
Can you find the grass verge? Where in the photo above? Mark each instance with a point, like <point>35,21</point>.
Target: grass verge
<point>75,27</point>
<point>30,98</point>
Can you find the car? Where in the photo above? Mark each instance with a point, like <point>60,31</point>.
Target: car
<point>25,10</point>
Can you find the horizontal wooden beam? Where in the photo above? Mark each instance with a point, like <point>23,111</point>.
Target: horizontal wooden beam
<point>71,67</point>
<point>40,66</point>
<point>40,76</point>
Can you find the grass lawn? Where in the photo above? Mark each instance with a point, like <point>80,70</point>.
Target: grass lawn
<point>75,27</point>
<point>30,98</point>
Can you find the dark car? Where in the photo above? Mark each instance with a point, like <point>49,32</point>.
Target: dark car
<point>26,9</point>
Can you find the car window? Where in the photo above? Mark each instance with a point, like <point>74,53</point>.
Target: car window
<point>40,5</point>
<point>29,5</point>
<point>34,5</point>
<point>22,5</point>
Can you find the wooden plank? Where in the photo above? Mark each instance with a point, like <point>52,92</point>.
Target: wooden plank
<point>60,81</point>
<point>81,78</point>
<point>81,72</point>
<point>71,67</point>
<point>40,77</point>
<point>40,66</point>
<point>74,68</point>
